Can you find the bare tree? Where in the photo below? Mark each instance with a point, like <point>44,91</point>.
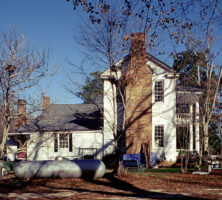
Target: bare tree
<point>21,67</point>
<point>103,44</point>
<point>210,84</point>
<point>174,18</point>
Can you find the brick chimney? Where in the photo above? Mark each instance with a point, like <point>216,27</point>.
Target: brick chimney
<point>21,110</point>
<point>45,102</point>
<point>138,49</point>
<point>138,97</point>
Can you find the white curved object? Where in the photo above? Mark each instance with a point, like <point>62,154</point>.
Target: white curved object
<point>86,169</point>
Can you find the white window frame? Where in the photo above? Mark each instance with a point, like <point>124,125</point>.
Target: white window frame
<point>63,141</point>
<point>159,90</point>
<point>159,135</point>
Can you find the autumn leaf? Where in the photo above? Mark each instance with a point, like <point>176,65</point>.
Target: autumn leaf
<point>126,37</point>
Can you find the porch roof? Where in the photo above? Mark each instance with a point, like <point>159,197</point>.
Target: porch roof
<point>188,94</point>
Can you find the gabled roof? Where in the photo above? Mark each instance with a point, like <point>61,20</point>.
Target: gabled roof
<point>160,63</point>
<point>66,117</point>
<point>149,57</point>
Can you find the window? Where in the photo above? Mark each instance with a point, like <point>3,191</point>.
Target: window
<point>63,141</point>
<point>159,136</point>
<point>183,137</point>
<point>159,93</point>
<point>183,108</point>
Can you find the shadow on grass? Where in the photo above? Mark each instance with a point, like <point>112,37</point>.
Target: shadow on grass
<point>200,180</point>
<point>21,186</point>
<point>122,188</point>
<point>118,184</point>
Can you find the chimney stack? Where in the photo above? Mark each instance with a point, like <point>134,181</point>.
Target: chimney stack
<point>138,97</point>
<point>138,49</point>
<point>46,103</point>
<point>21,110</point>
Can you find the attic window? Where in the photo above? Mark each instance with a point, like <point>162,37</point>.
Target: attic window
<point>159,91</point>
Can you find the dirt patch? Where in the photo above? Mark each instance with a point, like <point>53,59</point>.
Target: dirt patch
<point>131,186</point>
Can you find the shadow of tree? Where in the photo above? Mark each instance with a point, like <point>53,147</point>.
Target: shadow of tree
<point>116,183</point>
<point>113,186</point>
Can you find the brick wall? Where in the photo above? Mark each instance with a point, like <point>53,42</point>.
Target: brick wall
<point>138,97</point>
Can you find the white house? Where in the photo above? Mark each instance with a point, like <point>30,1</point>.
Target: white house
<point>155,109</point>
<point>67,130</point>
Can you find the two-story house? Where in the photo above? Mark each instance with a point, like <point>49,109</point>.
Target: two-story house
<point>152,109</point>
<point>141,101</point>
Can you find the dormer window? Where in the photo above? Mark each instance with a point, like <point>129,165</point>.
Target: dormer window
<point>159,91</point>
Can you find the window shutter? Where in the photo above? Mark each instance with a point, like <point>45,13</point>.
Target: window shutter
<point>70,142</point>
<point>55,143</point>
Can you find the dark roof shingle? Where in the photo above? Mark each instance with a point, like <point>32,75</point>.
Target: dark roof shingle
<point>66,117</point>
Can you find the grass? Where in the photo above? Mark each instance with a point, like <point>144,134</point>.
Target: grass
<point>162,170</point>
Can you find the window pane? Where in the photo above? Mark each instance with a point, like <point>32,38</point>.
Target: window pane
<point>159,136</point>
<point>159,93</point>
<point>63,140</point>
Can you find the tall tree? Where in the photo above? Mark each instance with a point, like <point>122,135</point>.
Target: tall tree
<point>197,68</point>
<point>21,67</point>
<point>92,90</point>
<point>104,43</point>
<point>214,138</point>
<point>178,20</point>
<point>174,18</point>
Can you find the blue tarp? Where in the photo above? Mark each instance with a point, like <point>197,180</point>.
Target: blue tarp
<point>140,158</point>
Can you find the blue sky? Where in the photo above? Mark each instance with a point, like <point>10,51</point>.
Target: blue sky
<point>48,24</point>
<point>51,24</point>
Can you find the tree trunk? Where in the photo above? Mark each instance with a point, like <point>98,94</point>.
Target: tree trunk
<point>4,139</point>
<point>184,161</point>
<point>221,150</point>
<point>181,162</point>
<point>149,155</point>
<point>206,138</point>
<point>187,160</point>
<point>145,153</point>
<point>1,169</point>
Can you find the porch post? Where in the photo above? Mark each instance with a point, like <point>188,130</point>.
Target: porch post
<point>191,127</point>
<point>197,130</point>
